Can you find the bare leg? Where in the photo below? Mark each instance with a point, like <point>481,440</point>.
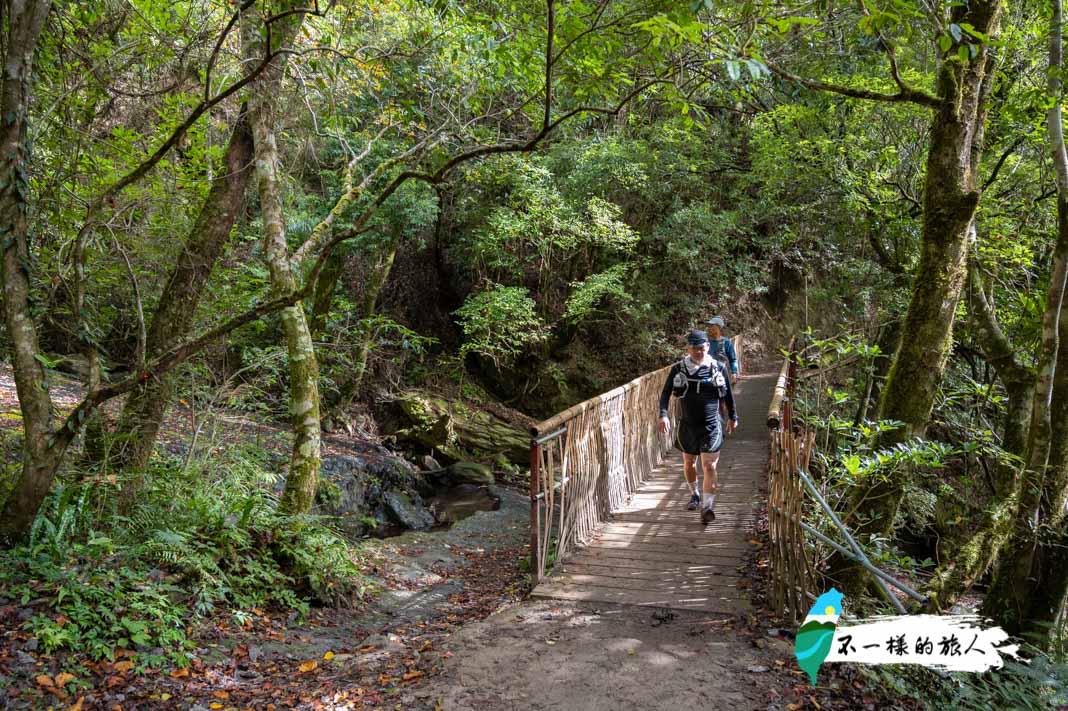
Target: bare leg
<point>689,469</point>
<point>709,461</point>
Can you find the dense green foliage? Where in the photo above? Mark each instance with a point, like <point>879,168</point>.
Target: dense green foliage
<point>204,537</point>
<point>535,201</point>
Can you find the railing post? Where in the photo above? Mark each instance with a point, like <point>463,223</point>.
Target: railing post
<point>535,522</point>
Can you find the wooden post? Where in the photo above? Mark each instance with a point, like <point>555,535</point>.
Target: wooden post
<point>535,521</point>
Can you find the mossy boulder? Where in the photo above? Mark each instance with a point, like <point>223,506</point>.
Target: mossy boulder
<point>454,429</point>
<point>459,474</point>
<point>371,492</point>
<point>461,501</point>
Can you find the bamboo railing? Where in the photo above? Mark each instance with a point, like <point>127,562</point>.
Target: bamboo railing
<point>791,572</point>
<point>588,460</point>
<point>792,584</point>
<point>793,579</point>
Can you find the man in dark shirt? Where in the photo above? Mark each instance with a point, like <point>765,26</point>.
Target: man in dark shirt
<point>700,382</point>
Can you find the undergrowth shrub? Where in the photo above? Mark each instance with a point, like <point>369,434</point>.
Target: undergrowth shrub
<point>203,539</point>
<point>1035,685</point>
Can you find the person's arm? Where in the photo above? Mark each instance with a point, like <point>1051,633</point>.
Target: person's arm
<point>665,393</point>
<point>665,400</point>
<point>732,356</point>
<point>729,398</point>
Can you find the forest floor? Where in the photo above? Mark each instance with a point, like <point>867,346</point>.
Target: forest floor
<point>449,627</point>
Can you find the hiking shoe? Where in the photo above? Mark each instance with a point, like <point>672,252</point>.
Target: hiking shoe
<point>695,501</point>
<point>708,516</point>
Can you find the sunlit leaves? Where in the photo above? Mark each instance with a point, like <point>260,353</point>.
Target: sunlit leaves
<point>500,323</point>
<point>586,296</point>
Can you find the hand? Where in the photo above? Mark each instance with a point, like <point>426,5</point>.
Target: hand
<point>734,379</point>
<point>663,425</point>
<point>731,426</point>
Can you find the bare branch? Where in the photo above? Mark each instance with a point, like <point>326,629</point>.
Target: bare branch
<point>995,344</point>
<point>1001,161</point>
<point>549,62</point>
<point>889,49</point>
<point>905,95</point>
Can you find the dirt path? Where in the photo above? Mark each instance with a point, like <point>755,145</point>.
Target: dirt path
<point>565,655</point>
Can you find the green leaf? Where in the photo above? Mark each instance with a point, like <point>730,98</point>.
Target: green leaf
<point>944,43</point>
<point>955,30</point>
<point>974,32</point>
<point>733,70</point>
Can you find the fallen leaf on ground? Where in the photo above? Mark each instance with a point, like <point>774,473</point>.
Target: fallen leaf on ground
<point>78,704</point>
<point>43,680</point>
<point>219,694</point>
<point>179,673</point>
<point>408,676</point>
<point>124,666</point>
<point>63,678</point>
<point>308,666</point>
<point>328,656</point>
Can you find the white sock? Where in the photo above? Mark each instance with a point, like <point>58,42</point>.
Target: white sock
<point>696,489</point>
<point>710,500</point>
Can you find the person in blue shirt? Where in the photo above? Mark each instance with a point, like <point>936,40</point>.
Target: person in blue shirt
<point>701,383</point>
<point>720,347</point>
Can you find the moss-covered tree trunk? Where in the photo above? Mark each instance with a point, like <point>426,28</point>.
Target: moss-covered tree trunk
<point>305,459</point>
<point>950,197</point>
<point>1031,577</point>
<point>372,289</point>
<point>973,556</point>
<point>22,28</point>
<point>1023,583</point>
<point>173,319</point>
<point>325,286</point>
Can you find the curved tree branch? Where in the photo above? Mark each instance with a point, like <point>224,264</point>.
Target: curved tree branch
<point>905,95</point>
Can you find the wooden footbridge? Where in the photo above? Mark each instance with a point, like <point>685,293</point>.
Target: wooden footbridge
<point>608,503</point>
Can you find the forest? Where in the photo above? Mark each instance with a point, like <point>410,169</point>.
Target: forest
<point>284,280</point>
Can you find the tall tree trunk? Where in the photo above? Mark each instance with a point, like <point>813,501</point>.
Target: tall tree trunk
<point>144,409</point>
<point>1022,570</point>
<point>379,274</point>
<point>306,456</point>
<point>325,286</point>
<point>973,556</point>
<point>950,197</point>
<point>1055,490</point>
<point>39,459</point>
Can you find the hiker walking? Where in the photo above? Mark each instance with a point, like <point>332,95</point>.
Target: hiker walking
<point>701,382</point>
<point>720,347</point>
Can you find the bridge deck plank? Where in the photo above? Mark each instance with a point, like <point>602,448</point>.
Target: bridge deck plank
<point>654,552</point>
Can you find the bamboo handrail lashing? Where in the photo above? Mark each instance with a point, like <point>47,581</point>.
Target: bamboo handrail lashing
<point>790,452</point>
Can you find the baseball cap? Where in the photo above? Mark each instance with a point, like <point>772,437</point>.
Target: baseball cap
<point>696,338</point>
<point>716,321</point>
